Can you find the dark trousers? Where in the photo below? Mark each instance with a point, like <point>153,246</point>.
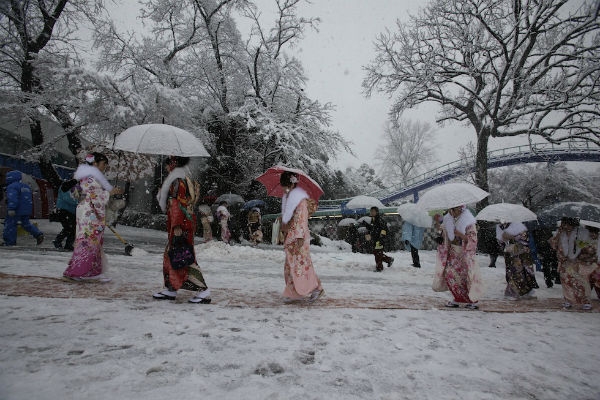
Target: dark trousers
<point>380,258</point>
<point>67,220</point>
<point>414,252</point>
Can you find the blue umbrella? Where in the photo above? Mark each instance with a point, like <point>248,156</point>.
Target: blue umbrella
<point>253,203</point>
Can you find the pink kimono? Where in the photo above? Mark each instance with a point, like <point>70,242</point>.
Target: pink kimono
<point>300,277</point>
<point>457,268</point>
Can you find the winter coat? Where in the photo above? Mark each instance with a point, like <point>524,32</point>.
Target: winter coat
<point>378,230</point>
<point>19,196</point>
<point>412,234</point>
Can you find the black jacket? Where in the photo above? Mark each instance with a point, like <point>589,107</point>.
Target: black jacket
<point>378,229</point>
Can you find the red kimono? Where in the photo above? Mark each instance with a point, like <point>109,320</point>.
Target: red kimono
<point>189,278</point>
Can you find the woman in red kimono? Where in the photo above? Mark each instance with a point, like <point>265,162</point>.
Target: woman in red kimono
<point>175,199</point>
<point>301,280</point>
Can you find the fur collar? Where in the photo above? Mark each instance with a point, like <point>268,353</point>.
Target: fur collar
<point>85,170</point>
<point>290,201</point>
<point>163,194</point>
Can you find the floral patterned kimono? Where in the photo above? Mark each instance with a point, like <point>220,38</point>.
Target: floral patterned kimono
<point>300,276</point>
<point>520,273</point>
<point>88,258</point>
<point>189,278</point>
<point>577,264</point>
<point>457,269</point>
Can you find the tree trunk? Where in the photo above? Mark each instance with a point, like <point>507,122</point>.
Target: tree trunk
<point>481,165</point>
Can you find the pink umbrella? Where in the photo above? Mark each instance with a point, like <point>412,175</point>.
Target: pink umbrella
<point>270,179</point>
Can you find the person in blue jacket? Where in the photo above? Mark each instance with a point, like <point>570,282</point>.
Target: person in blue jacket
<point>412,236</point>
<point>19,205</point>
<point>66,206</point>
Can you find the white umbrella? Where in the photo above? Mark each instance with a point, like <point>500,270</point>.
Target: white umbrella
<point>363,202</point>
<point>506,212</point>
<point>364,219</point>
<point>451,195</point>
<point>347,222</point>
<point>590,223</point>
<point>160,139</point>
<point>414,214</point>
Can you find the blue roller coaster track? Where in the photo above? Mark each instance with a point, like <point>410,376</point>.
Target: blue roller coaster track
<point>534,153</point>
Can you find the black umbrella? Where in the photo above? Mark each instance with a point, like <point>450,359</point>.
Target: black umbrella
<point>580,210</point>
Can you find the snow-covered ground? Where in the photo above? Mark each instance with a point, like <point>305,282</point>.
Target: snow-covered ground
<point>247,344</point>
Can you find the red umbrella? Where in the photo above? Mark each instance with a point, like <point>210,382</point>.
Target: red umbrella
<point>270,179</point>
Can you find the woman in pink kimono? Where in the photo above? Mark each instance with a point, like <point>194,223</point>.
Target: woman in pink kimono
<point>457,269</point>
<point>576,256</point>
<point>88,262</point>
<point>301,281</point>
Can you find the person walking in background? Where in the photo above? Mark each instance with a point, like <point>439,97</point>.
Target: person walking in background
<point>19,206</point>
<point>378,233</point>
<point>206,220</point>
<point>88,261</point>
<point>66,206</point>
<point>412,236</point>
<point>180,269</point>
<point>547,255</point>
<point>223,216</point>
<point>457,269</point>
<point>301,280</point>
<point>487,243</point>
<point>520,273</point>
<point>254,226</point>
<point>569,241</point>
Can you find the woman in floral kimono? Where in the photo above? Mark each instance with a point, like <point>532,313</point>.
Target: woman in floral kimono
<point>88,262</point>
<point>520,273</point>
<point>301,281</point>
<point>573,262</point>
<point>457,268</point>
<point>590,258</point>
<point>176,200</point>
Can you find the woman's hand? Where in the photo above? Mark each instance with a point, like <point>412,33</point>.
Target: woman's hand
<point>461,235</point>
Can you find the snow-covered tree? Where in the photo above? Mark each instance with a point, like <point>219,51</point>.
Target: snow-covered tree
<point>406,151</point>
<point>504,67</point>
<point>537,186</point>
<point>38,40</point>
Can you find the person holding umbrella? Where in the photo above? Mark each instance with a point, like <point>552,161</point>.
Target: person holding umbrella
<point>301,280</point>
<point>569,241</point>
<point>176,198</point>
<point>520,275</point>
<point>412,236</point>
<point>457,269</point>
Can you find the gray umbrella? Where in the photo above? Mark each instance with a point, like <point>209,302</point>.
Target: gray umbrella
<point>230,198</point>
<point>579,210</point>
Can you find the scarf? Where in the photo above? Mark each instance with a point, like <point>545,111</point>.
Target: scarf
<point>464,220</point>
<point>290,201</point>
<point>513,229</point>
<point>568,242</point>
<point>163,194</point>
<point>86,170</point>
<point>448,225</point>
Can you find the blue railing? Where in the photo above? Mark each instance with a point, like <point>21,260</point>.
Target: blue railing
<point>537,152</point>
